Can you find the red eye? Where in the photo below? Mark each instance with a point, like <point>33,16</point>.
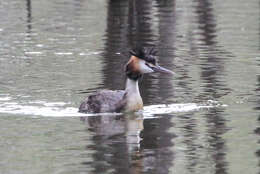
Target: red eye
<point>153,61</point>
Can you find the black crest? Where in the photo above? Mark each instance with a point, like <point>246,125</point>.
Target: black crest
<point>147,54</point>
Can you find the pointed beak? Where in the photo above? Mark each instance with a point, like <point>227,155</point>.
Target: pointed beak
<point>162,70</point>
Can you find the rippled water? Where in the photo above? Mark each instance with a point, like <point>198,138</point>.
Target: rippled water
<point>206,119</point>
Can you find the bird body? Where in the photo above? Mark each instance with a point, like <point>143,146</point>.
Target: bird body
<point>142,61</point>
<point>104,101</point>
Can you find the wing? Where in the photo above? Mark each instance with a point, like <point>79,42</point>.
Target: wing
<point>104,101</point>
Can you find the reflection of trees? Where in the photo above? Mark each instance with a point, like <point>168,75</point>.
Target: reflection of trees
<point>211,72</point>
<point>29,15</point>
<point>116,42</point>
<point>166,37</point>
<point>156,138</point>
<point>257,130</point>
<point>212,65</point>
<point>190,138</point>
<point>157,156</point>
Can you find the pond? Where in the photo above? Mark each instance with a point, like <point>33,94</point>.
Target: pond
<point>204,119</point>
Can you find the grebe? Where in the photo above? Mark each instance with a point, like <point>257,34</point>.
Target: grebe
<point>141,61</point>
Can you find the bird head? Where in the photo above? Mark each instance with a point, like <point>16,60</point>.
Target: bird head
<point>143,61</point>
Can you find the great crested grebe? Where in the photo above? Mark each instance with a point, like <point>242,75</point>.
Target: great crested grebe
<point>142,61</point>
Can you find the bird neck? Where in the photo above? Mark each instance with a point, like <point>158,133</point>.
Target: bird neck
<point>132,87</point>
<point>133,97</point>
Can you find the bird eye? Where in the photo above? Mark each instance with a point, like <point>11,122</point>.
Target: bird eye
<point>153,61</point>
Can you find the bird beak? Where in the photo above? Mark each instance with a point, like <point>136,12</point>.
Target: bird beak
<point>160,69</point>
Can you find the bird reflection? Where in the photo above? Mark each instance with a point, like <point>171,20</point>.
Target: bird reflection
<point>117,142</point>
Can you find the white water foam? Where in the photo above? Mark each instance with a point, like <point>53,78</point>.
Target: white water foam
<point>6,98</point>
<point>41,108</point>
<point>152,110</point>
<point>61,109</point>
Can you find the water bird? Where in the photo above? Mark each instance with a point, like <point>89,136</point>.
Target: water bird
<point>142,61</point>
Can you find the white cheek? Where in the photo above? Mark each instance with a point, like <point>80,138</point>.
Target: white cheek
<point>144,68</point>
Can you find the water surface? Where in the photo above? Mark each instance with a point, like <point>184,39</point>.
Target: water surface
<point>205,119</point>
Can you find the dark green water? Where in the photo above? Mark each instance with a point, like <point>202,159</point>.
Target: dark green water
<point>54,53</point>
